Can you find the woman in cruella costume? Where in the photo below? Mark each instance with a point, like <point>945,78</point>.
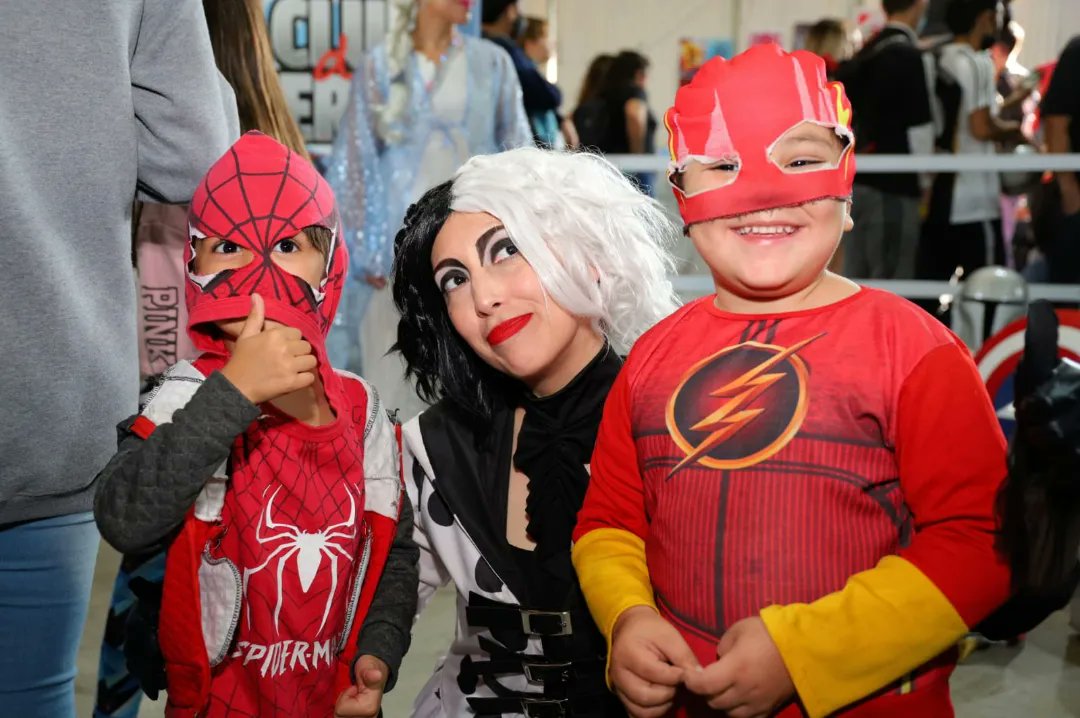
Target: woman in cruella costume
<point>521,283</point>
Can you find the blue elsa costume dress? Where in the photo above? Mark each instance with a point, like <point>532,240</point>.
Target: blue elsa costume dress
<point>468,104</point>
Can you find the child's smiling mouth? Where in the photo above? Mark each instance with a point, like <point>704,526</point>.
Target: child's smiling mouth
<point>766,230</point>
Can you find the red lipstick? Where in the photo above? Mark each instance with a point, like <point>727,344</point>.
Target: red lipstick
<point>507,329</point>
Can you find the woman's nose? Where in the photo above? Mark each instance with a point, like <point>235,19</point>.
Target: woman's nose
<point>487,293</point>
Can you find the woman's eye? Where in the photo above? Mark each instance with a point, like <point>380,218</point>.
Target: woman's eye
<point>503,249</point>
<point>226,247</point>
<point>286,246</point>
<point>450,282</point>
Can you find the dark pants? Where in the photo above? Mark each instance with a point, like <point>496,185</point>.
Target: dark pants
<point>945,247</point>
<point>883,243</point>
<point>1063,252</point>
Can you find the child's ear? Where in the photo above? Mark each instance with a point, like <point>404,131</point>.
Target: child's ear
<point>849,223</point>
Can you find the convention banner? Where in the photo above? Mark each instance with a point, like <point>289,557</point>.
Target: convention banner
<point>317,44</point>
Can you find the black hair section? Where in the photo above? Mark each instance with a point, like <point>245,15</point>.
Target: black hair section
<point>892,7</point>
<point>493,10</point>
<point>961,15</point>
<point>442,365</point>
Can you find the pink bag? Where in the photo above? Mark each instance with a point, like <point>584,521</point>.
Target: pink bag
<point>159,259</point>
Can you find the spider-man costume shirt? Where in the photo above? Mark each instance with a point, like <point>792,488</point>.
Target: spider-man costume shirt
<point>276,551</point>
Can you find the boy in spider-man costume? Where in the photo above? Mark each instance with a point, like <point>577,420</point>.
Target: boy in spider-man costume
<point>272,479</point>
<point>790,508</point>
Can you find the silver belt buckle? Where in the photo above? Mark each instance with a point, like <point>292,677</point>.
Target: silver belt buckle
<point>540,706</point>
<point>528,668</point>
<point>563,616</point>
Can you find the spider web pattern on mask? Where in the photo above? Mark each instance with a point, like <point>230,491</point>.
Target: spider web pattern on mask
<point>306,485</point>
<point>257,210</point>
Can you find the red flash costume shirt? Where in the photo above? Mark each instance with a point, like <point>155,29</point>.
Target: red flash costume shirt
<point>764,460</point>
<point>832,470</point>
<point>267,583</point>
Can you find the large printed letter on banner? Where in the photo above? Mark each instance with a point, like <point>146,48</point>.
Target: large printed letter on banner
<point>317,44</point>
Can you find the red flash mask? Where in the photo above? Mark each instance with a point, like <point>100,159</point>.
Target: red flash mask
<point>256,195</point>
<point>735,112</point>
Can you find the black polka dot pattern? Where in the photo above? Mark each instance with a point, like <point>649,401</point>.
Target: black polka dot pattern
<point>486,579</point>
<point>467,677</point>
<point>418,475</point>
<point>438,511</point>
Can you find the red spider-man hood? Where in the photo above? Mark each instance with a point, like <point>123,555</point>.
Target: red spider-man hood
<point>737,110</point>
<point>256,195</point>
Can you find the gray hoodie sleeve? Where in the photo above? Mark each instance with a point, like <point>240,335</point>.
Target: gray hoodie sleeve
<point>146,489</point>
<point>387,628</point>
<point>183,122</point>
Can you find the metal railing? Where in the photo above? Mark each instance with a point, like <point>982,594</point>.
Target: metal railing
<point>883,164</point>
<point>694,285</point>
<point>872,164</point>
<point>700,284</point>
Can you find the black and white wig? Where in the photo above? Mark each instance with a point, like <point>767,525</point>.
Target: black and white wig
<point>597,244</point>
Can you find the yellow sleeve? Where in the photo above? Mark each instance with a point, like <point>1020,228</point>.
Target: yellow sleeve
<point>614,576</point>
<point>883,624</point>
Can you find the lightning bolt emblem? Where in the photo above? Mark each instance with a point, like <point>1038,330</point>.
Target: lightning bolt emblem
<point>730,417</point>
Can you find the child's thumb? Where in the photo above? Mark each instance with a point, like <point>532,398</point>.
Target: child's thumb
<point>373,678</point>
<point>256,318</point>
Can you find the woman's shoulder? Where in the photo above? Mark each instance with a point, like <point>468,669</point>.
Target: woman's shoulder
<point>448,417</point>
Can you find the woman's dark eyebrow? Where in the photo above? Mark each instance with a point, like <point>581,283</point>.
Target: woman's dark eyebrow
<point>448,263</point>
<point>485,238</point>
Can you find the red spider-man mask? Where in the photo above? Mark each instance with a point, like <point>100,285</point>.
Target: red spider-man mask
<point>258,194</point>
<point>735,112</point>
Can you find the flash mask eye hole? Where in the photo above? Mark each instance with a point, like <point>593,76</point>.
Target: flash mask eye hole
<point>704,174</point>
<point>809,147</point>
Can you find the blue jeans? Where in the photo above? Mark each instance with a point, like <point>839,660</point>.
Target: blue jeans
<point>46,570</point>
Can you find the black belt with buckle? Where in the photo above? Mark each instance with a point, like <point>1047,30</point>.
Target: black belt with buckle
<point>515,618</point>
<point>537,669</point>
<point>541,707</point>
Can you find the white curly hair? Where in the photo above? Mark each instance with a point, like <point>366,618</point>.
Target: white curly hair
<point>598,245</point>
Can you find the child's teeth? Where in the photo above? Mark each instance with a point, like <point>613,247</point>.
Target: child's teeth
<point>766,230</point>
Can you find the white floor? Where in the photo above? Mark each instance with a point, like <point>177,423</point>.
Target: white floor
<point>1039,679</point>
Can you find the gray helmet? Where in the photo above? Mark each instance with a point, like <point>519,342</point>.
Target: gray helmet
<point>989,299</point>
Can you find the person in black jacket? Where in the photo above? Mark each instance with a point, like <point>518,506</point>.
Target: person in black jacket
<point>503,24</point>
<point>1061,115</point>
<point>889,86</point>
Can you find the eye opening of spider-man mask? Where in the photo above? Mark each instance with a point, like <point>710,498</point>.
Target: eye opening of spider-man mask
<point>306,256</point>
<point>255,202</point>
<point>762,131</point>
